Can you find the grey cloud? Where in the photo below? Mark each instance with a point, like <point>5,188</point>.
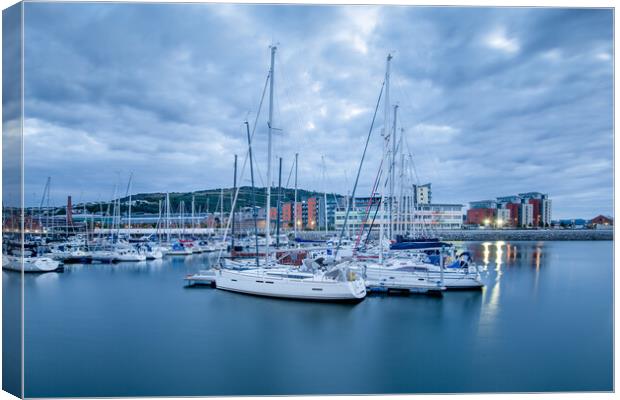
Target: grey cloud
<point>163,90</point>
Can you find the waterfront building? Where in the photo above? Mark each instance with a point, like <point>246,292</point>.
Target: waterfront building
<point>531,209</point>
<point>481,212</point>
<point>422,194</point>
<point>601,222</point>
<point>503,217</point>
<point>541,207</point>
<point>420,218</point>
<point>526,214</point>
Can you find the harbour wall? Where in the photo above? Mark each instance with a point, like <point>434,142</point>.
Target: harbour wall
<point>506,234</point>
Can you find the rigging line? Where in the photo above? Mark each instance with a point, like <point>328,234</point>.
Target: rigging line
<point>369,205</point>
<point>289,175</point>
<point>245,159</point>
<point>372,124</point>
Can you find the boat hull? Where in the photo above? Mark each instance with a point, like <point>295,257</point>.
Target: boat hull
<point>293,289</point>
<point>34,265</point>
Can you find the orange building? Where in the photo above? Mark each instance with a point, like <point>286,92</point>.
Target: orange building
<point>312,217</point>
<point>287,213</point>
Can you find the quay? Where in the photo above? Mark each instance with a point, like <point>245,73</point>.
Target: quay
<point>503,234</point>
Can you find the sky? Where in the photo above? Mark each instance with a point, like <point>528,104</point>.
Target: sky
<point>492,101</point>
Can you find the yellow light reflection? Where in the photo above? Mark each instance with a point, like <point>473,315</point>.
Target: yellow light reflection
<point>498,257</point>
<point>485,254</point>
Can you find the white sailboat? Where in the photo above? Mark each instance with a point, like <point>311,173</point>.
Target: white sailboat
<point>338,284</point>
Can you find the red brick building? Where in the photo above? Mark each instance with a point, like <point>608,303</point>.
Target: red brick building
<point>312,217</point>
<point>287,214</point>
<point>478,216</point>
<point>514,214</point>
<point>601,220</point>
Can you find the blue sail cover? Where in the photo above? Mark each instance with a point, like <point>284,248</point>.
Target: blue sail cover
<point>300,240</point>
<point>418,245</point>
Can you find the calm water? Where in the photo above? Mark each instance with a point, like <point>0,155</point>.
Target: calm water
<point>544,322</point>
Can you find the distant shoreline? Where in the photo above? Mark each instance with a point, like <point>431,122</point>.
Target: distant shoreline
<point>525,234</point>
<point>503,234</point>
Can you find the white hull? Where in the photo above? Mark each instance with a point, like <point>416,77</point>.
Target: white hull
<point>402,270</point>
<point>129,257</point>
<point>154,255</point>
<point>179,253</point>
<point>31,264</point>
<point>262,282</point>
<point>397,280</point>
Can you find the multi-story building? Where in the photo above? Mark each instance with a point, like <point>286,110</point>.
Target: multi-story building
<point>481,212</point>
<point>422,194</point>
<point>503,217</point>
<point>541,207</point>
<point>432,216</point>
<point>526,215</point>
<point>532,209</point>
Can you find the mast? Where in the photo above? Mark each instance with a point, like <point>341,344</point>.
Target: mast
<point>129,211</point>
<point>393,174</point>
<point>193,215</point>
<point>247,126</point>
<point>221,208</point>
<point>278,204</point>
<point>385,144</point>
<point>402,203</point>
<point>167,217</point>
<point>270,125</point>
<point>324,196</point>
<point>159,221</point>
<point>295,202</point>
<point>232,211</point>
<point>386,132</point>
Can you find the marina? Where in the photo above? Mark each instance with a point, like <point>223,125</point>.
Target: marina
<point>150,334</point>
<point>298,199</point>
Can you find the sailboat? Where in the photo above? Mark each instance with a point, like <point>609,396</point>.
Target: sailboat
<point>381,274</point>
<point>336,284</point>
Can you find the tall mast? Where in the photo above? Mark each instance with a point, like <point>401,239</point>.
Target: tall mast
<point>393,174</point>
<point>270,125</point>
<point>386,124</point>
<point>278,204</point>
<point>129,211</point>
<point>232,209</point>
<point>221,208</point>
<point>324,195</point>
<point>295,202</point>
<point>390,159</point>
<point>159,221</point>
<point>247,127</point>
<point>193,215</point>
<point>167,217</point>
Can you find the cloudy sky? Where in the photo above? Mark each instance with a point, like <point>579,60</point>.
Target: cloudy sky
<point>492,101</point>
